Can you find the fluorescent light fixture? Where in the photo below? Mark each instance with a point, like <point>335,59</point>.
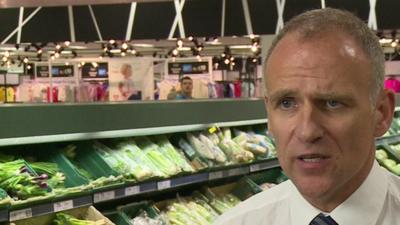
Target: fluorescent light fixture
<point>144,45</point>
<point>66,52</point>
<point>4,48</point>
<point>115,50</point>
<point>77,47</point>
<point>184,49</point>
<point>240,46</point>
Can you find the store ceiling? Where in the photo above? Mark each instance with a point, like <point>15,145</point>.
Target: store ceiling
<point>49,3</point>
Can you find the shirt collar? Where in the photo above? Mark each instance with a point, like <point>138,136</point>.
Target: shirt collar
<point>362,207</point>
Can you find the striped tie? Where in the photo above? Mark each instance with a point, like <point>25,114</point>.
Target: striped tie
<point>323,220</point>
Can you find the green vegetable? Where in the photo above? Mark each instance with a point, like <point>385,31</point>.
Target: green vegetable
<point>65,219</point>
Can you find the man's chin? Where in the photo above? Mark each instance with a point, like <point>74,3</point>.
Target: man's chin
<point>314,189</point>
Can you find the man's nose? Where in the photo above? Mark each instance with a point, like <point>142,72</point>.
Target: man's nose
<point>309,129</point>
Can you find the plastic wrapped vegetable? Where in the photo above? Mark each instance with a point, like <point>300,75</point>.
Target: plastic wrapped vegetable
<point>144,219</point>
<point>218,153</point>
<point>173,155</point>
<point>153,153</point>
<point>235,152</point>
<point>200,147</point>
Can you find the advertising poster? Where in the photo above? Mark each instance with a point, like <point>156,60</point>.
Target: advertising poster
<point>131,79</point>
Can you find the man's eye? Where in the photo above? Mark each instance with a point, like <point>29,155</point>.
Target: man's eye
<point>287,104</point>
<point>333,104</point>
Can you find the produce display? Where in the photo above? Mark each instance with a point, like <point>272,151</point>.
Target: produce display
<point>266,186</point>
<point>394,128</point>
<point>66,219</point>
<point>396,148</point>
<point>202,208</point>
<point>144,219</point>
<point>384,159</point>
<point>20,182</point>
<point>26,177</point>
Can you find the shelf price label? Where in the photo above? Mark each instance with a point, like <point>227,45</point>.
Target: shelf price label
<point>103,196</point>
<point>164,184</point>
<point>215,175</point>
<point>132,190</point>
<point>255,167</point>
<point>20,214</point>
<point>64,205</point>
<point>237,171</point>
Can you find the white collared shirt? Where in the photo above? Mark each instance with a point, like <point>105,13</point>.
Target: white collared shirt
<point>375,202</point>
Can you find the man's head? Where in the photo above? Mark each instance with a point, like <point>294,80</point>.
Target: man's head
<point>186,85</point>
<point>126,70</point>
<point>326,104</point>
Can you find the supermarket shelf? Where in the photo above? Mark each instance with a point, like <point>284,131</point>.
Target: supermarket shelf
<point>47,208</point>
<point>166,184</point>
<point>387,140</point>
<point>28,124</point>
<point>137,189</point>
<point>122,133</point>
<point>3,215</point>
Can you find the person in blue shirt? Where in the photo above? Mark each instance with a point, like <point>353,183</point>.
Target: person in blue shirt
<point>186,88</point>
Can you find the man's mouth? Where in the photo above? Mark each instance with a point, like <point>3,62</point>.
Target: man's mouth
<point>313,158</point>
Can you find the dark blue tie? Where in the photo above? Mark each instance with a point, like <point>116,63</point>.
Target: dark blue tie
<point>321,219</point>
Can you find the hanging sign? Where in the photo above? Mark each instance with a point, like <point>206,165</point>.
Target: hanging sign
<point>56,71</point>
<point>98,70</point>
<point>187,68</point>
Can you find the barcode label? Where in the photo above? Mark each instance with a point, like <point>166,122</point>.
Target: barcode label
<point>64,205</point>
<point>164,184</point>
<point>104,196</point>
<point>132,190</point>
<point>255,167</point>
<point>215,175</point>
<point>20,214</point>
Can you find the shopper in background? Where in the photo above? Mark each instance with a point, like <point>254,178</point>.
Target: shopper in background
<point>186,90</point>
<point>126,86</point>
<point>326,104</point>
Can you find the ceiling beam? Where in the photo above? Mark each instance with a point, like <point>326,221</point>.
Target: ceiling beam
<point>47,3</point>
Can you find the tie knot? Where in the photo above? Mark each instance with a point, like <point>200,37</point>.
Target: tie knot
<point>321,219</point>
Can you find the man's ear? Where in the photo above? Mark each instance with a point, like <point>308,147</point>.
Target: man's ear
<point>384,110</point>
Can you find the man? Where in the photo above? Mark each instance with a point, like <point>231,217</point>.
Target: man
<point>326,104</point>
<point>186,88</point>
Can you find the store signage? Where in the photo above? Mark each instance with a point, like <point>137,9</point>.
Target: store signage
<point>178,68</point>
<point>56,71</point>
<point>90,71</point>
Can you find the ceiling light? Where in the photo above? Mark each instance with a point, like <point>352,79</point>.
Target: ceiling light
<point>124,45</point>
<point>179,43</point>
<point>67,43</point>
<point>254,48</point>
<point>175,52</point>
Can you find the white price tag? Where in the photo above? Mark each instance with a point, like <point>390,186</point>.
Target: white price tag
<point>215,175</point>
<point>235,172</point>
<point>64,205</point>
<point>255,167</point>
<point>104,196</point>
<point>132,190</point>
<point>20,214</point>
<point>164,184</point>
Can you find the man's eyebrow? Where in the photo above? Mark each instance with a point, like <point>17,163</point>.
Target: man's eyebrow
<point>280,94</point>
<point>333,95</point>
